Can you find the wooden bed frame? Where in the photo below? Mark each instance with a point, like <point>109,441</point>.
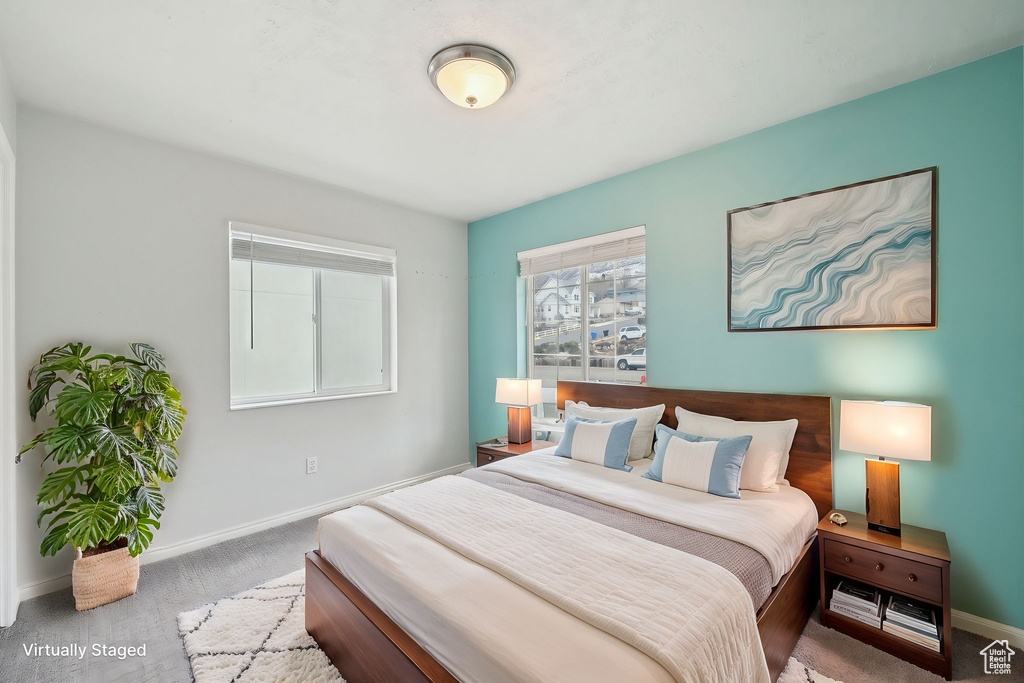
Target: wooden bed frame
<point>366,645</point>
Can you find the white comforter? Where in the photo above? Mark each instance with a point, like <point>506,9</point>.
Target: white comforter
<point>485,628</point>
<point>479,625</point>
<point>690,615</point>
<point>777,525</point>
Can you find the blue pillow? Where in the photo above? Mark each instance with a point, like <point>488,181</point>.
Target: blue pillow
<point>600,442</point>
<point>697,462</point>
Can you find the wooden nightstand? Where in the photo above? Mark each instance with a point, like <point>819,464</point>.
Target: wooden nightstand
<point>914,565</point>
<point>486,454</point>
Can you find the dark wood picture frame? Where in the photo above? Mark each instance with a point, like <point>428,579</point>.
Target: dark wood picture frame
<point>934,170</point>
<point>366,645</point>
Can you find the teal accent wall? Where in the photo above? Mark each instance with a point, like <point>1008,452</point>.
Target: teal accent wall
<point>969,122</point>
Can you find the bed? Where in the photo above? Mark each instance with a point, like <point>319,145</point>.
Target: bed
<point>389,599</point>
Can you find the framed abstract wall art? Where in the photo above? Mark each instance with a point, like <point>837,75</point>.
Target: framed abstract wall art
<point>856,256</point>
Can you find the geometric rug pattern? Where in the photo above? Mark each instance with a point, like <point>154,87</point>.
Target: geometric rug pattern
<point>260,636</point>
<point>257,635</point>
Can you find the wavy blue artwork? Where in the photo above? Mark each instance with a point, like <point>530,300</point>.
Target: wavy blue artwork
<point>855,256</point>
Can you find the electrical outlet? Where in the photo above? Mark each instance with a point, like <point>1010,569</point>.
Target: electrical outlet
<point>310,465</point>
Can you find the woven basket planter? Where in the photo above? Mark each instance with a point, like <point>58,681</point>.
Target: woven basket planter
<point>103,577</point>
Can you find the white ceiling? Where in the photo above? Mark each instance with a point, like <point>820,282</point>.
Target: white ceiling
<point>336,89</point>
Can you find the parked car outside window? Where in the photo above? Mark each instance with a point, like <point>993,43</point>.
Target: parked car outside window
<point>634,361</point>
<point>633,332</point>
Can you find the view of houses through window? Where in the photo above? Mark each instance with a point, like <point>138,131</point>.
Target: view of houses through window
<point>590,322</point>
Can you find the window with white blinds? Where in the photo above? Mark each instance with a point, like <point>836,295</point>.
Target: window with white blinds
<point>587,312</point>
<point>311,318</point>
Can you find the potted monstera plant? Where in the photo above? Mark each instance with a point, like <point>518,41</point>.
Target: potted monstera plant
<point>117,419</point>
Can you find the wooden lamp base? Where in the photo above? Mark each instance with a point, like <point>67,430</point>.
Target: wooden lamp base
<point>520,425</point>
<point>882,498</point>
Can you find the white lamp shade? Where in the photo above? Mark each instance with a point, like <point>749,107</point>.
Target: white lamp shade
<point>518,392</point>
<point>889,429</point>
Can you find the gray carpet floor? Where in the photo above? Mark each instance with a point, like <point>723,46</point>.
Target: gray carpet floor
<point>150,616</point>
<point>851,661</point>
<point>183,583</point>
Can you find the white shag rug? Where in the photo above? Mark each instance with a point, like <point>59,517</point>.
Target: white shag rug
<point>795,672</point>
<point>260,636</point>
<point>257,635</point>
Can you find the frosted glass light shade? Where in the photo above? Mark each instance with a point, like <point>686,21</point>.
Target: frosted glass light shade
<point>518,392</point>
<point>472,84</point>
<point>889,429</point>
<point>471,76</point>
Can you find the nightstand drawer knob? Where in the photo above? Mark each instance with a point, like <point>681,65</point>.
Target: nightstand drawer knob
<point>879,566</point>
<point>848,558</point>
<point>490,458</point>
<point>911,578</point>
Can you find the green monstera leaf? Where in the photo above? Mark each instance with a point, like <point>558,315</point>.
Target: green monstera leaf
<point>148,355</point>
<point>62,483</point>
<point>69,441</point>
<point>116,477</point>
<point>118,442</point>
<point>91,521</point>
<point>149,500</point>
<point>83,406</point>
<point>55,540</point>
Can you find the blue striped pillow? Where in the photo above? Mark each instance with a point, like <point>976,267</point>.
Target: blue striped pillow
<point>600,442</point>
<point>697,462</point>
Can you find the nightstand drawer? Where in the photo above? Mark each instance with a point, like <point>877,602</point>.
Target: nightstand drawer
<point>886,571</point>
<point>487,458</point>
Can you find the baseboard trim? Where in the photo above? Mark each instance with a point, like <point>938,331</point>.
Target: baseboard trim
<point>33,590</point>
<point>155,554</point>
<point>988,628</point>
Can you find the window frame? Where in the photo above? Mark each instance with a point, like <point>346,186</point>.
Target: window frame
<point>389,302</point>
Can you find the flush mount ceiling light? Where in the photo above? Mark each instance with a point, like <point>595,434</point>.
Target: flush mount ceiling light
<point>471,76</point>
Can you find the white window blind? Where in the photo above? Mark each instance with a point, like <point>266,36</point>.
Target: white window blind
<point>251,247</point>
<point>610,246</point>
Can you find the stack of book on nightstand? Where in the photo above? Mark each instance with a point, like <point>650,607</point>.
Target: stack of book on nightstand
<point>912,621</point>
<point>857,601</point>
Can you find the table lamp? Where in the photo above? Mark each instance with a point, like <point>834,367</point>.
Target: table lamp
<point>519,395</point>
<point>888,429</point>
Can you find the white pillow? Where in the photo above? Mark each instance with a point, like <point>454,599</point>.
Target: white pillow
<point>642,442</point>
<point>764,467</point>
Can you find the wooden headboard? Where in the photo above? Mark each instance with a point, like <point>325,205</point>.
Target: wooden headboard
<point>810,458</point>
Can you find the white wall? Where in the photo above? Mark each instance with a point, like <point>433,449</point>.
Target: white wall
<point>122,239</point>
<point>8,116</point>
<point>8,108</point>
